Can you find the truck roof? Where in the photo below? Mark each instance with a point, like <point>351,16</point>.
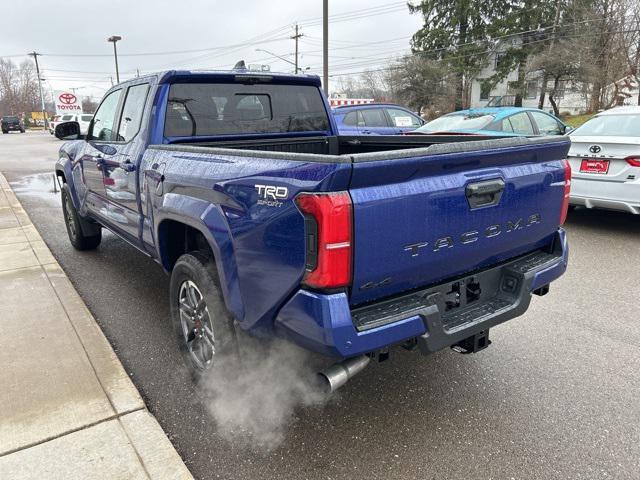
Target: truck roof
<point>173,76</point>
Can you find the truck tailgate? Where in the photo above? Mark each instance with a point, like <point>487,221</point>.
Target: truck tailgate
<point>425,215</point>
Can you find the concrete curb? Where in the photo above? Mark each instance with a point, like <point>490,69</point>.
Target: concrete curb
<point>69,409</point>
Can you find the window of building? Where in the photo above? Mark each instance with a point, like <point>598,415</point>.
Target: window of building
<point>531,89</point>
<point>485,89</point>
<point>500,59</point>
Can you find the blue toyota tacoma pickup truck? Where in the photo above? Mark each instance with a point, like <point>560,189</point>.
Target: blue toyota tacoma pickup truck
<point>269,222</point>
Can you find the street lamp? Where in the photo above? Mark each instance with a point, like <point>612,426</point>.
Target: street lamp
<point>277,56</point>
<point>114,39</point>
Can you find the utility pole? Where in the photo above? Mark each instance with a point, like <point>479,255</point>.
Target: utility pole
<point>35,56</point>
<point>325,46</point>
<point>296,37</point>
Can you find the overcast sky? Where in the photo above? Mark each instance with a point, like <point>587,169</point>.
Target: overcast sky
<point>363,34</point>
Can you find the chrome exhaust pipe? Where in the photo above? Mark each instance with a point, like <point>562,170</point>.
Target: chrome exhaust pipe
<point>339,373</point>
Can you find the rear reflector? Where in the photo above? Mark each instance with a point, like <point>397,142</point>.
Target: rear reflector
<point>328,232</point>
<point>633,161</point>
<point>567,191</point>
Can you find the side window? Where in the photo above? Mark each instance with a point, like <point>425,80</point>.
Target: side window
<point>401,118</point>
<point>132,112</point>
<point>506,125</point>
<point>374,117</point>
<point>104,119</point>
<point>547,125</point>
<point>351,119</point>
<point>520,123</point>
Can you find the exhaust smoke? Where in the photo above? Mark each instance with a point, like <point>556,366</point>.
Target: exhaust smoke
<point>254,399</point>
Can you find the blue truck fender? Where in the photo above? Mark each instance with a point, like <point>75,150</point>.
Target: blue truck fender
<point>208,219</point>
<point>64,169</point>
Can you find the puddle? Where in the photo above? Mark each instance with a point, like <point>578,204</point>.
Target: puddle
<point>40,185</point>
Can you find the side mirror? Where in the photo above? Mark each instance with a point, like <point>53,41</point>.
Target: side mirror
<point>68,131</point>
<point>568,129</point>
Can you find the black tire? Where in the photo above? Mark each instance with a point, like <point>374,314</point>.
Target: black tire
<point>4,132</point>
<point>206,336</point>
<point>74,224</point>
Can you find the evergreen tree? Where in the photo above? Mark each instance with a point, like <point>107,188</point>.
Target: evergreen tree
<point>457,32</point>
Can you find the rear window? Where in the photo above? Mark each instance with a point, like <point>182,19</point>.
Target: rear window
<point>202,109</point>
<point>458,121</point>
<point>10,119</point>
<point>610,126</point>
<point>86,118</point>
<point>66,118</point>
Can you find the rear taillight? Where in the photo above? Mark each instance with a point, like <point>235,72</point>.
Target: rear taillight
<point>567,191</point>
<point>633,161</point>
<point>328,232</point>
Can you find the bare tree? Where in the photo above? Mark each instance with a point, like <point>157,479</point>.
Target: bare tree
<point>422,84</point>
<point>562,65</point>
<point>18,87</point>
<point>88,105</point>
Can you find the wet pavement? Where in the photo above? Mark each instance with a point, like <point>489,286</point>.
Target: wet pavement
<point>554,397</point>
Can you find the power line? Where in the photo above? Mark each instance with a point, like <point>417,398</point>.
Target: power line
<point>488,51</point>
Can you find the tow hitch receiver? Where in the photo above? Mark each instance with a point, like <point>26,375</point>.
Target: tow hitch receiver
<point>473,344</point>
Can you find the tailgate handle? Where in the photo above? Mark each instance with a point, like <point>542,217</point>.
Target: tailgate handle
<point>484,194</point>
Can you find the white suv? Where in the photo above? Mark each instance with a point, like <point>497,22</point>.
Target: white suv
<point>84,120</point>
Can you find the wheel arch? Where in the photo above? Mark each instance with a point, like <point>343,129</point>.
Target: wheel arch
<point>178,233</point>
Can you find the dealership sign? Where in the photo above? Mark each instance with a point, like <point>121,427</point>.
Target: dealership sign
<point>67,102</point>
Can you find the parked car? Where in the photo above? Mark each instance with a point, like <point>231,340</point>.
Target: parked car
<point>11,123</point>
<point>269,222</point>
<point>504,121</point>
<point>83,119</point>
<point>605,158</point>
<point>53,122</point>
<point>375,119</point>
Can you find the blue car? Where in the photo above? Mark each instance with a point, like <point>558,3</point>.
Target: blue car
<point>506,121</point>
<point>375,119</point>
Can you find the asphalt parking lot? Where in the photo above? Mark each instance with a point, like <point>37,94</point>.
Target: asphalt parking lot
<point>557,395</point>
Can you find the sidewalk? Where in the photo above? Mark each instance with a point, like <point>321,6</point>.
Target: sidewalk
<point>68,410</point>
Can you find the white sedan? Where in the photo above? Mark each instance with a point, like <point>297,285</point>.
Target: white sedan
<point>84,120</point>
<point>605,161</point>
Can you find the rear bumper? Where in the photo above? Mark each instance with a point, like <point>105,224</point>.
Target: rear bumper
<point>593,193</point>
<point>327,324</point>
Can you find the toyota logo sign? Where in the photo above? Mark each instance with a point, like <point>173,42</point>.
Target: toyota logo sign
<point>595,148</point>
<point>67,102</point>
<point>67,98</point>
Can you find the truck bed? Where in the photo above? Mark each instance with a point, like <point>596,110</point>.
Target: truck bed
<point>352,145</point>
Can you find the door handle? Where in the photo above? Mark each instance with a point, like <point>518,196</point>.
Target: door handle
<point>127,166</point>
